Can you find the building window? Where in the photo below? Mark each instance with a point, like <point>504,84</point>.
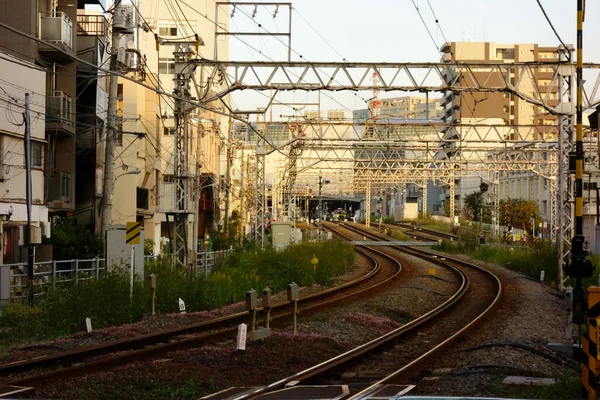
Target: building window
<point>166,65</point>
<point>142,197</point>
<point>168,29</point>
<point>505,54</point>
<point>65,185</point>
<point>168,131</point>
<point>168,178</point>
<point>36,154</point>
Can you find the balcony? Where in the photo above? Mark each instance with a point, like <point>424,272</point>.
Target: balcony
<point>92,25</point>
<point>59,191</point>
<point>56,28</point>
<point>59,113</point>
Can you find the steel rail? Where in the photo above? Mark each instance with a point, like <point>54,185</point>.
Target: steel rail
<point>153,344</point>
<point>376,343</point>
<point>413,366</point>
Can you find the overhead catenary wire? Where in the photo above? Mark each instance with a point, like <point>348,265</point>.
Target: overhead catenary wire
<point>128,78</point>
<point>568,53</point>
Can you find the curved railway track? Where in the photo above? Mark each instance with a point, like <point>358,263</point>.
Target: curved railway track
<point>414,344</point>
<point>84,360</point>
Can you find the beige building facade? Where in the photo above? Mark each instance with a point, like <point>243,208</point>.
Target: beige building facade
<point>208,130</point>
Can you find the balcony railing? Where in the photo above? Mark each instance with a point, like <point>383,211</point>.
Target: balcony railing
<point>56,27</point>
<point>59,107</point>
<point>92,25</point>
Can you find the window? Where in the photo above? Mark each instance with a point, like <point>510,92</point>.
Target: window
<point>505,54</point>
<point>65,185</point>
<point>168,178</point>
<point>168,29</point>
<point>36,154</point>
<point>168,131</point>
<point>166,65</point>
<point>142,196</point>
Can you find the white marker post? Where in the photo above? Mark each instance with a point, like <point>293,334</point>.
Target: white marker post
<point>181,306</point>
<point>241,337</point>
<point>88,324</point>
<point>131,270</point>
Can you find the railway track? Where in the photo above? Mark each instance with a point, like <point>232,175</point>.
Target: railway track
<point>85,360</point>
<point>413,345</point>
<point>422,233</point>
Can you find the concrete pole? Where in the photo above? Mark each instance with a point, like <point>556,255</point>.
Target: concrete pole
<point>111,126</point>
<point>228,174</point>
<point>30,255</point>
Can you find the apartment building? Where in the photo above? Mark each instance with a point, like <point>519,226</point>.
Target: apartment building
<point>56,22</point>
<point>137,159</point>
<point>409,107</point>
<point>512,109</point>
<point>208,129</point>
<point>497,108</point>
<point>18,78</point>
<point>92,103</point>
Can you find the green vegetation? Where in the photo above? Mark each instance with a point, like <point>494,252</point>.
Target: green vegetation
<point>106,301</point>
<point>72,241</point>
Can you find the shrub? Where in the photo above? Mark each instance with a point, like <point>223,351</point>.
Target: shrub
<point>107,300</point>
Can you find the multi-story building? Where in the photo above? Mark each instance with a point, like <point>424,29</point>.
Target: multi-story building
<point>409,107</point>
<point>137,160</point>
<point>20,77</point>
<point>496,107</point>
<point>92,103</point>
<point>209,129</point>
<point>512,109</point>
<point>55,22</point>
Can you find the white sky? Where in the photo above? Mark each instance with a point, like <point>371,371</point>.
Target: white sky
<point>391,30</point>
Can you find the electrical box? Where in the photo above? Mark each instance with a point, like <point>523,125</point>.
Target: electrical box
<point>251,300</point>
<point>292,292</point>
<point>281,233</point>
<point>266,298</point>
<point>151,281</point>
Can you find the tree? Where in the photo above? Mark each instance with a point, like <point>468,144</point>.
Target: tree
<point>476,208</point>
<point>518,213</point>
<point>70,241</point>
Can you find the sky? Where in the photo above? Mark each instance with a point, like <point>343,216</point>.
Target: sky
<point>386,30</point>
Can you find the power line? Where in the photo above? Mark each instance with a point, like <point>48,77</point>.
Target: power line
<point>317,32</point>
<point>128,78</point>
<point>553,29</point>
<point>426,27</point>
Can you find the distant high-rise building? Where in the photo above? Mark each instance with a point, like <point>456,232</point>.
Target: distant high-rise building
<point>512,109</point>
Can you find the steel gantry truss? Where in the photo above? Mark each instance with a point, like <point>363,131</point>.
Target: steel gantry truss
<point>390,150</point>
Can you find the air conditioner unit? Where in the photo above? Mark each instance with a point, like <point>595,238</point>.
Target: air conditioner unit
<point>447,57</point>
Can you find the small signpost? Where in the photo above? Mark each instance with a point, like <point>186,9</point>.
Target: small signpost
<point>314,261</point>
<point>132,237</point>
<point>181,306</point>
<point>241,336</point>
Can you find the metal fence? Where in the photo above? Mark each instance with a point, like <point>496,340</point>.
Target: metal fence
<point>13,277</point>
<point>205,261</point>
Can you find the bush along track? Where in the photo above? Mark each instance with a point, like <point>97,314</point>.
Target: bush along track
<point>62,309</point>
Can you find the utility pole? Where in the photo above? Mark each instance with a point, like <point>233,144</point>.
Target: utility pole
<point>183,76</point>
<point>28,245</point>
<point>320,208</point>
<point>228,173</point>
<point>111,124</point>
